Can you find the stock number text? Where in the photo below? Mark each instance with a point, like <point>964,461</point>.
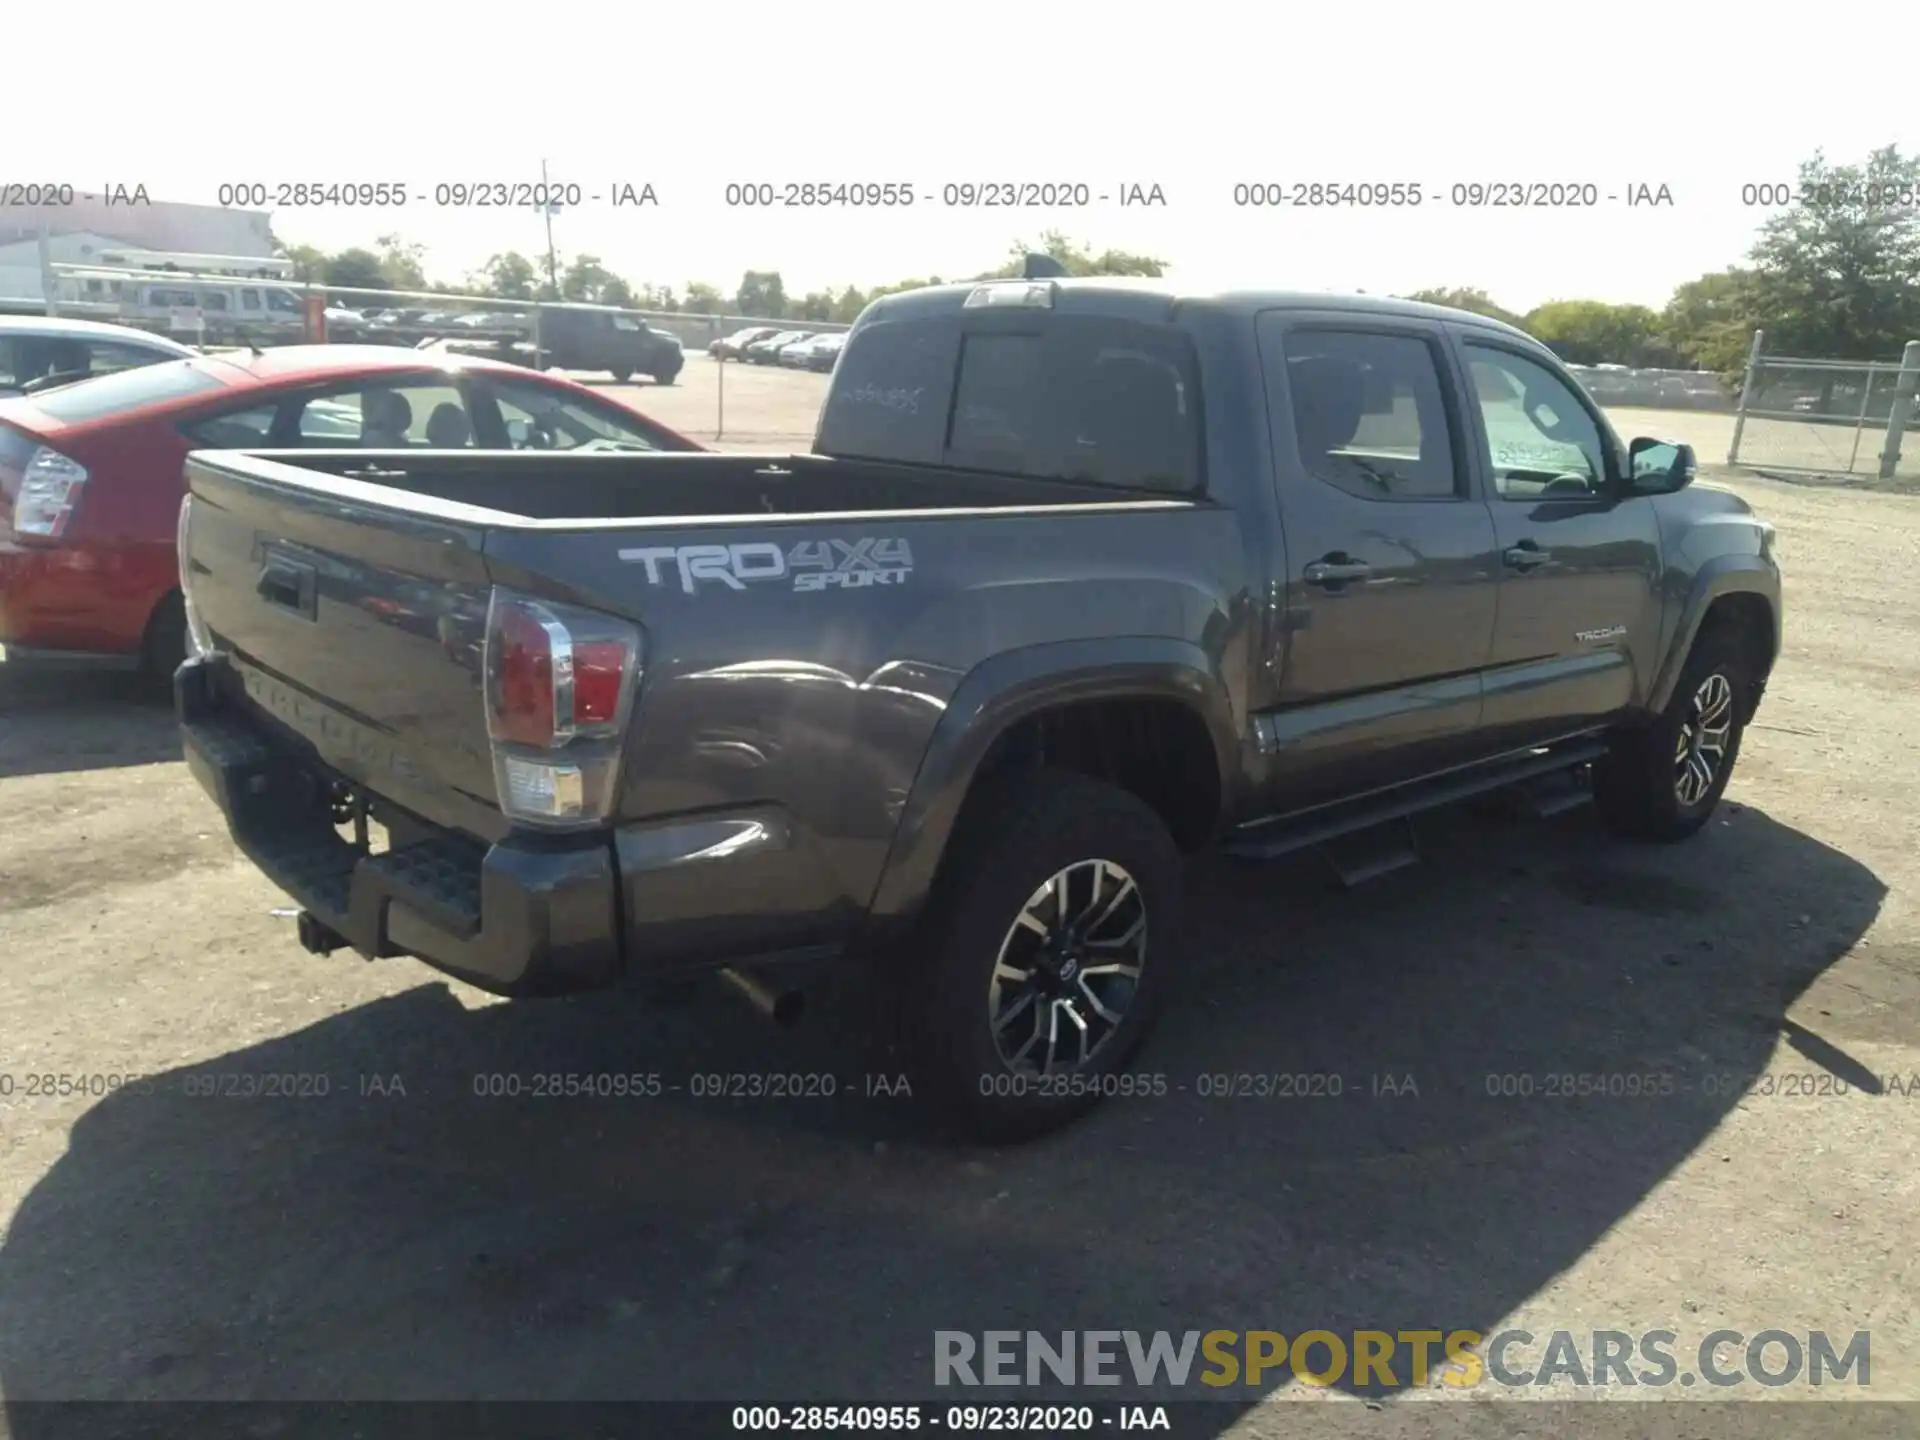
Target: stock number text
<point>295,194</point>
<point>819,194</point>
<point>1276,194</point>
<point>1889,195</point>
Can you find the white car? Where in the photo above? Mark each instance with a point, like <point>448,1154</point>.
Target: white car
<point>38,352</point>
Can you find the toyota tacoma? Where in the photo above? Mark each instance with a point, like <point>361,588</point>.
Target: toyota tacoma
<point>1078,576</point>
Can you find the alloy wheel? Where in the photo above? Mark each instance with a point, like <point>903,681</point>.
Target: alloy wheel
<point>1702,747</point>
<point>1068,968</point>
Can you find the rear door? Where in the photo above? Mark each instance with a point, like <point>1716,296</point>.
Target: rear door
<point>1579,605</point>
<point>1392,566</point>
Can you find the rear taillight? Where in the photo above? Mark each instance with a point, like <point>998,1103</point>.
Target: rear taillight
<point>50,489</point>
<point>559,686</point>
<point>199,639</point>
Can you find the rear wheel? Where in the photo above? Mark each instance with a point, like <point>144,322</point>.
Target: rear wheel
<point>1046,951</point>
<point>621,374</point>
<point>1662,781</point>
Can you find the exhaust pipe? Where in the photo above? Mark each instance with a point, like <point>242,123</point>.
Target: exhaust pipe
<point>783,1007</point>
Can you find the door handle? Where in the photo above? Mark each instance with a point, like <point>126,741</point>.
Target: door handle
<point>1527,556</point>
<point>1333,571</point>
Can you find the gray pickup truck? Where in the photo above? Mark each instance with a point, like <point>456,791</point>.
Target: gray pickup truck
<point>1079,576</point>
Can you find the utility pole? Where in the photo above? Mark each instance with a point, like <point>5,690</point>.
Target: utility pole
<point>547,208</point>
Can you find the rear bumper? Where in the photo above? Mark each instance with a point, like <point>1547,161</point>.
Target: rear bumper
<point>515,918</point>
<point>528,915</point>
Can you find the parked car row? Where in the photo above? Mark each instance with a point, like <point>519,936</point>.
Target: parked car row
<point>770,345</point>
<point>91,472</point>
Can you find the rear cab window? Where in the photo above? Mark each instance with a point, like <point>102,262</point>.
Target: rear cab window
<point>1054,395</point>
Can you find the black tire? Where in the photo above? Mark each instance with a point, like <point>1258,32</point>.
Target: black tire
<point>1637,784</point>
<point>665,377</point>
<point>621,374</point>
<point>1012,839</point>
<point>164,646</point>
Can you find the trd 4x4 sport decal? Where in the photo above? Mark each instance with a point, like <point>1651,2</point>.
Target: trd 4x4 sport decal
<point>811,564</point>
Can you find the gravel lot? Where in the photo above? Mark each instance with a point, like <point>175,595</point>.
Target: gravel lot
<point>161,1242</point>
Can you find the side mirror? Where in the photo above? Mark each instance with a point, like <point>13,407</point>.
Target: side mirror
<point>1659,467</point>
<point>518,433</point>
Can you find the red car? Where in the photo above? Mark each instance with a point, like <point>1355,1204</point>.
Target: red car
<point>90,475</point>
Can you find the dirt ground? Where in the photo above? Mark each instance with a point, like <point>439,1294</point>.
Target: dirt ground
<point>403,1236</point>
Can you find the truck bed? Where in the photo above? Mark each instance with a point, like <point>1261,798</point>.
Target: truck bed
<point>805,625</point>
<point>531,486</point>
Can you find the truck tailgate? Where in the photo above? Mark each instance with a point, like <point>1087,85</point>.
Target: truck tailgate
<point>357,624</point>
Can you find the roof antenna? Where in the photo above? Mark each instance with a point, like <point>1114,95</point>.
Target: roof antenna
<point>1042,267</point>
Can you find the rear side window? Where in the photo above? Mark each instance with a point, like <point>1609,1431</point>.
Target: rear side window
<point>1369,414</point>
<point>126,390</point>
<point>236,430</point>
<point>1110,402</point>
<point>388,417</point>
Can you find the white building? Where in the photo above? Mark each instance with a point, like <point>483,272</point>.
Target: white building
<point>92,232</point>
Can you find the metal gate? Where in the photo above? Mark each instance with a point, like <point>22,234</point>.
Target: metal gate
<point>1837,417</point>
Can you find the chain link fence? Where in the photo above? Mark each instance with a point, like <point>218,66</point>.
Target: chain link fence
<point>1830,417</point>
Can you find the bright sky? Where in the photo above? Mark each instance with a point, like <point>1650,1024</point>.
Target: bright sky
<point>1194,97</point>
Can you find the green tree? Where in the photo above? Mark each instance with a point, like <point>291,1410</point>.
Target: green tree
<point>848,304</point>
<point>585,278</point>
<point>615,291</point>
<point>1466,298</point>
<point>1077,258</point>
<point>357,269</point>
<point>1710,322</point>
<point>509,275</point>
<point>402,264</point>
<point>309,262</point>
<point>1837,275</point>
<point>1592,332</point>
<point>762,293</point>
<point>815,305</point>
<point>703,299</point>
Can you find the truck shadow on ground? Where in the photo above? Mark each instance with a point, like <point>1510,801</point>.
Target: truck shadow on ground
<point>54,722</point>
<point>445,1243</point>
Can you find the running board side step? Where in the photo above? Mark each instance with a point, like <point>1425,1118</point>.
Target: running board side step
<point>1266,839</point>
<point>1354,862</point>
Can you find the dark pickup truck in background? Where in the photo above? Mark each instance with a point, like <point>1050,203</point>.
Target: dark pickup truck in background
<point>586,337</point>
<point>1082,575</point>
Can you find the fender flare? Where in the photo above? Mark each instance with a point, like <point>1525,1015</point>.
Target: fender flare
<point>1715,580</point>
<point>1003,690</point>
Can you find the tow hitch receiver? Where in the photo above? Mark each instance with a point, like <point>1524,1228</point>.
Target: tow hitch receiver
<point>316,938</point>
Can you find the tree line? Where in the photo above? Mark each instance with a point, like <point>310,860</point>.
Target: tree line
<point>1836,275</point>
